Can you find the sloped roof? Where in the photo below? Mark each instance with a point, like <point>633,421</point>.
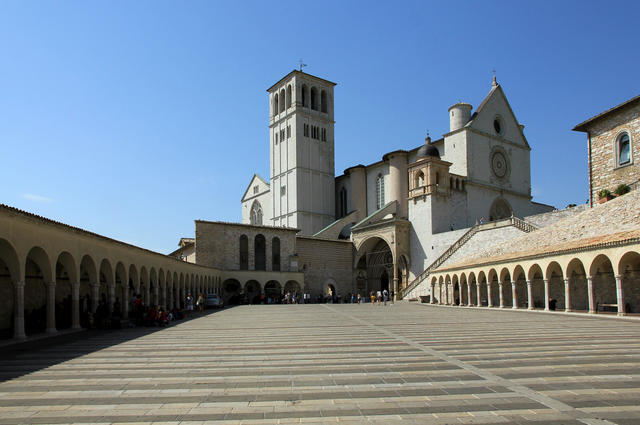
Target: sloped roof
<point>255,175</point>
<point>583,125</point>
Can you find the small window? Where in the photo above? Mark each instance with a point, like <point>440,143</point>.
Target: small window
<point>276,138</point>
<point>283,190</point>
<point>379,191</point>
<point>306,130</point>
<point>288,131</point>
<point>497,126</point>
<point>624,149</point>
<point>255,189</point>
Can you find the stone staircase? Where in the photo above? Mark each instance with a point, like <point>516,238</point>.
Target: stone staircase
<point>512,221</point>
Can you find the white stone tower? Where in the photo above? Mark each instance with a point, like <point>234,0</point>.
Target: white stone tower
<point>302,152</point>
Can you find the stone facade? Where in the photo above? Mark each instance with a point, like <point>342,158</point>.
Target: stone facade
<point>218,245</point>
<point>604,132</point>
<point>326,264</point>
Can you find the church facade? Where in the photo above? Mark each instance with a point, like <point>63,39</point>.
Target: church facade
<point>402,212</point>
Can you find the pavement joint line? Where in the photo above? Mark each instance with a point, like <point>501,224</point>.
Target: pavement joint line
<point>580,415</point>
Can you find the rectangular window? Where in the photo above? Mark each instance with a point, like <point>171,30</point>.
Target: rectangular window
<point>255,189</point>
<point>306,130</point>
<point>283,190</point>
<point>276,138</point>
<point>288,131</point>
<point>282,136</point>
<point>324,134</point>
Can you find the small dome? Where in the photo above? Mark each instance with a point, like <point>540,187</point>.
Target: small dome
<point>428,150</point>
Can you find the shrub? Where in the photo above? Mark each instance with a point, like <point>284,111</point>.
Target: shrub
<point>604,193</point>
<point>622,189</point>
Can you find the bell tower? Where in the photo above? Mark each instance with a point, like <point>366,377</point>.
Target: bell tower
<point>301,138</point>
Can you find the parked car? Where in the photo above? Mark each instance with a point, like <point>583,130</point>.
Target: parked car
<point>213,300</point>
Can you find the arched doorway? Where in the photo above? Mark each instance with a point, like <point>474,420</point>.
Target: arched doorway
<point>374,266</point>
<point>272,292</point>
<point>231,289</point>
<point>252,292</point>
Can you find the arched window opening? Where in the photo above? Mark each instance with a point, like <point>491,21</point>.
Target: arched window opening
<point>420,179</point>
<point>244,252</point>
<point>275,104</point>
<point>624,149</point>
<point>256,213</point>
<point>343,202</point>
<point>275,254</point>
<point>289,96</point>
<point>314,98</point>
<point>437,179</point>
<point>260,250</point>
<point>305,97</point>
<point>323,101</point>
<point>379,191</point>
<point>282,100</point>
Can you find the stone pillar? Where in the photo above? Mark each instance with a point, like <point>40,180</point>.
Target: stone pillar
<point>170,298</point>
<point>468,294</point>
<point>620,296</point>
<point>478,302</point>
<point>75,305</point>
<point>546,294</point>
<point>567,295</point>
<point>182,296</point>
<point>95,297</point>
<point>590,295</point>
<point>489,299</point>
<point>529,295</point>
<point>395,282</point>
<point>501,289</point>
<point>51,307</point>
<point>147,294</point>
<point>18,310</point>
<point>514,295</point>
<point>112,297</point>
<point>433,294</point>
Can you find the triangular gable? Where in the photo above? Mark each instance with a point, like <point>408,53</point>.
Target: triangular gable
<point>255,177</point>
<point>495,102</point>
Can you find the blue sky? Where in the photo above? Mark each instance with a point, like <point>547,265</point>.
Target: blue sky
<point>132,119</point>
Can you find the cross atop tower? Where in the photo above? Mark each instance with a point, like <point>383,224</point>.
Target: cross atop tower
<point>302,64</point>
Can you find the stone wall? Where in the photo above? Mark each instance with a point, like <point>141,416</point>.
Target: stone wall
<point>605,174</point>
<point>326,262</point>
<point>218,244</point>
<point>545,219</point>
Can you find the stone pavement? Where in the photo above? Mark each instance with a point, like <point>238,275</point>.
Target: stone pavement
<point>314,364</point>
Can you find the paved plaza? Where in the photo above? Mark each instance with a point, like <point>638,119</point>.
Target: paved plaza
<point>406,363</point>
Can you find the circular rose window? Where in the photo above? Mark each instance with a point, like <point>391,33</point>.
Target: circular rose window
<point>499,164</point>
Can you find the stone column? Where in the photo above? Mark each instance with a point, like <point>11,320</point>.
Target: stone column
<point>489,299</point>
<point>182,297</point>
<point>478,302</point>
<point>468,294</point>
<point>501,289</point>
<point>170,297</point>
<point>51,307</point>
<point>147,293</point>
<point>95,297</point>
<point>18,310</point>
<point>529,295</point>
<point>433,294</point>
<point>112,297</point>
<point>567,295</point>
<point>395,282</point>
<point>546,294</point>
<point>75,305</point>
<point>514,295</point>
<point>620,296</point>
<point>590,295</point>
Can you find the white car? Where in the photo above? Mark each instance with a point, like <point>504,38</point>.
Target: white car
<point>213,300</point>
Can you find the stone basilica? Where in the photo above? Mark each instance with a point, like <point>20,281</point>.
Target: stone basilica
<point>397,215</point>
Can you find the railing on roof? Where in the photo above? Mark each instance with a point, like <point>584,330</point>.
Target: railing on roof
<point>518,223</point>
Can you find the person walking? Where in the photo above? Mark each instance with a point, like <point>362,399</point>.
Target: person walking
<point>189,302</point>
<point>200,302</point>
<point>385,296</point>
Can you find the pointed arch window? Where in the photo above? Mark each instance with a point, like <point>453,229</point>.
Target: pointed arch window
<point>343,202</point>
<point>379,191</point>
<point>260,252</point>
<point>256,213</point>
